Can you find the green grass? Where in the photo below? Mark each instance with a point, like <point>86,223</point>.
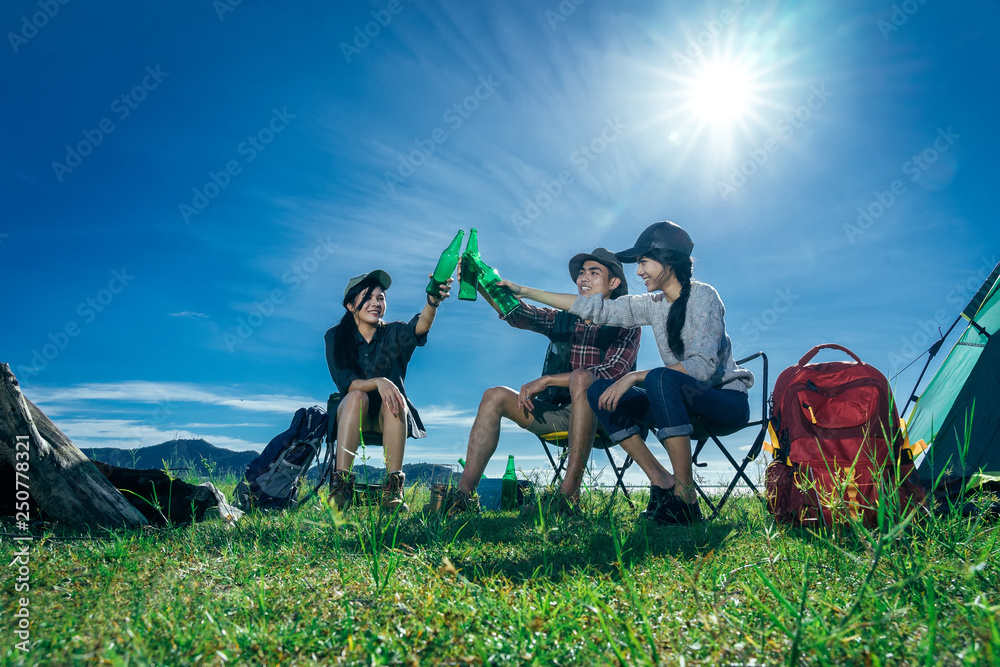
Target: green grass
<point>315,587</point>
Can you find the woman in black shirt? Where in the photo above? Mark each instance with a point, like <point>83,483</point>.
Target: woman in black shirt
<point>367,358</point>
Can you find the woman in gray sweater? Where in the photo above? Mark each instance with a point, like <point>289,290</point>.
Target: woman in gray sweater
<point>699,376</point>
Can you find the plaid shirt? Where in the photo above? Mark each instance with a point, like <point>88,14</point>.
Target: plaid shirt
<point>584,352</point>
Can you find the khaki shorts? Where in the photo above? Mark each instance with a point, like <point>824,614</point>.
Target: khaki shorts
<point>550,418</point>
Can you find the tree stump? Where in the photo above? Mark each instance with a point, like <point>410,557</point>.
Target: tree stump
<point>60,479</point>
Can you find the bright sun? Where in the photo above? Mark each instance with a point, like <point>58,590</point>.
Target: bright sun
<point>720,94</point>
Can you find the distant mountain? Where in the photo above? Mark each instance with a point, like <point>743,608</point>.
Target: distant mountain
<point>178,454</point>
<point>427,473</point>
<point>189,454</point>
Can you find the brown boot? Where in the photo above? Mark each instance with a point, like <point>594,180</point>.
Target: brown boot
<point>450,500</point>
<point>392,493</point>
<point>342,489</point>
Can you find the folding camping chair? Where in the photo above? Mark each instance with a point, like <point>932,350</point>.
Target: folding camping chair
<point>601,441</point>
<point>704,431</point>
<point>371,439</point>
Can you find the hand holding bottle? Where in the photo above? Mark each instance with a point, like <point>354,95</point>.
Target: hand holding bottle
<point>513,287</point>
<point>444,291</point>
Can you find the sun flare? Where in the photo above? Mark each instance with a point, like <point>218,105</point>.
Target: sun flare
<point>720,94</point>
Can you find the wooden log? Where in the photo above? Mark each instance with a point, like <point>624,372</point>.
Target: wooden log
<point>62,481</point>
<point>162,499</point>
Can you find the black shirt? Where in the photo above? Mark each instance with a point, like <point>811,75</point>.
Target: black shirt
<point>386,356</point>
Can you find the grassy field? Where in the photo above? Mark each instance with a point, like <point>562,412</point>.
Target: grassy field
<point>316,587</point>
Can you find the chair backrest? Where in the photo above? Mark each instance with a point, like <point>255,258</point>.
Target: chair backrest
<point>557,356</point>
<point>704,430</point>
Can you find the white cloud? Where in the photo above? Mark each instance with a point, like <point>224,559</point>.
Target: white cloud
<point>130,434</point>
<point>188,313</point>
<point>61,400</point>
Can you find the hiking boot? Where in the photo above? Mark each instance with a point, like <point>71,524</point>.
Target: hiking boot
<point>671,510</point>
<point>392,493</point>
<point>450,500</point>
<point>342,489</point>
<point>552,502</point>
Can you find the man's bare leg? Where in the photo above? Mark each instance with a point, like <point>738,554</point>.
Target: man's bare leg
<point>582,428</point>
<point>498,402</point>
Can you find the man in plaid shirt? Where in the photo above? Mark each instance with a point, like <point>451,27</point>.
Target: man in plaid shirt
<point>557,401</point>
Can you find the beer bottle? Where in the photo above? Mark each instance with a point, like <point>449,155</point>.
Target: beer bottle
<point>469,279</point>
<point>446,264</point>
<point>508,486</point>
<point>490,280</point>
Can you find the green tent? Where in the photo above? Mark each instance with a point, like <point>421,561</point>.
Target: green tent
<point>961,405</point>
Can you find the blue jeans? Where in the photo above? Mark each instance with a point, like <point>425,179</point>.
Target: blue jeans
<point>666,405</point>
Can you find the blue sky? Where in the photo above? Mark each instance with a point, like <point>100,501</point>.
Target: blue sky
<point>188,186</point>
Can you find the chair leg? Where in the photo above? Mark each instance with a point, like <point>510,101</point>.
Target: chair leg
<point>740,470</point>
<point>619,477</point>
<point>708,502</point>
<point>557,467</point>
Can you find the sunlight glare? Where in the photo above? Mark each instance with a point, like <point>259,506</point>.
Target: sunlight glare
<point>720,94</point>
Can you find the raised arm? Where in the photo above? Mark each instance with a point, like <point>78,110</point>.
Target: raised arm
<point>625,311</point>
<point>554,299</point>
<point>430,309</point>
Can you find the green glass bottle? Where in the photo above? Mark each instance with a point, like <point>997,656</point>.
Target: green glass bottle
<point>469,279</point>
<point>490,280</point>
<point>462,461</point>
<point>508,486</point>
<point>446,264</point>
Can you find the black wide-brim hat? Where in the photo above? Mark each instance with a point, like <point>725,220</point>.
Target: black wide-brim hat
<point>608,259</point>
<point>663,235</point>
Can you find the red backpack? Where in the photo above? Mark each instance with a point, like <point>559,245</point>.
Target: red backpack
<point>837,444</point>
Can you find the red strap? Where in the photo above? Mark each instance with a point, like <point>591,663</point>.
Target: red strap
<point>827,346</point>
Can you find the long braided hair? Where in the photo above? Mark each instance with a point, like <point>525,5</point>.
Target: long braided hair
<point>682,265</point>
<point>344,348</point>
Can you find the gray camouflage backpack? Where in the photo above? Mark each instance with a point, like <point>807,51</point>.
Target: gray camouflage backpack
<point>272,480</point>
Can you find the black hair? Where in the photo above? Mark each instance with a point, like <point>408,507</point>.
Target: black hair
<point>682,266</point>
<point>344,347</point>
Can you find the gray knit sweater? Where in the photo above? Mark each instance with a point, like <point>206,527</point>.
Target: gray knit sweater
<point>708,352</point>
